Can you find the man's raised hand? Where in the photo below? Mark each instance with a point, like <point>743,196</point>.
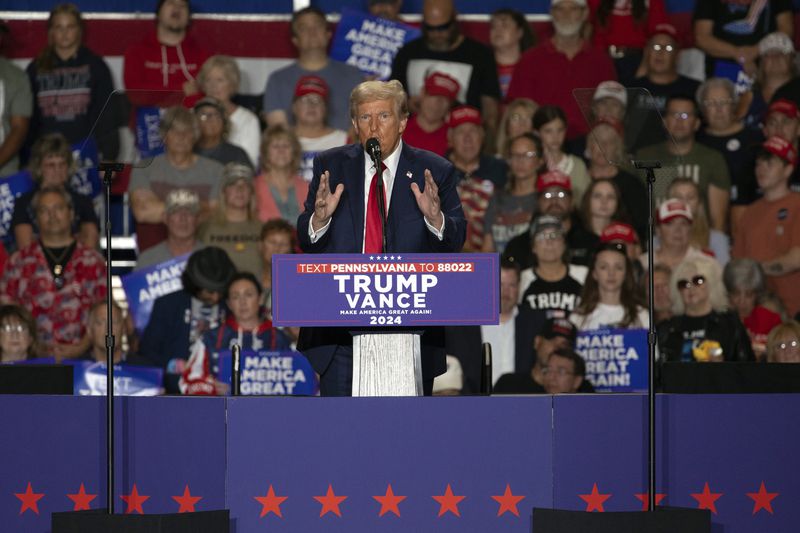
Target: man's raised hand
<point>428,201</point>
<point>325,202</point>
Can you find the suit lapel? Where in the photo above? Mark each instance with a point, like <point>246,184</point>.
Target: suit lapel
<point>403,201</point>
<point>354,185</point>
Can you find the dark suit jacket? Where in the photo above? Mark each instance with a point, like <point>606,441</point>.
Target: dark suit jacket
<point>406,232</point>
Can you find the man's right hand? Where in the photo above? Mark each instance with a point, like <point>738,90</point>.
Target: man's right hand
<point>326,202</point>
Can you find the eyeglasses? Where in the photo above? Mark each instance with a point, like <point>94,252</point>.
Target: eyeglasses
<point>718,103</point>
<point>523,156</point>
<point>788,344</point>
<point>548,236</point>
<point>208,115</point>
<point>696,281</point>
<point>668,48</point>
<point>560,372</point>
<point>519,117</point>
<point>554,195</point>
<point>440,27</point>
<point>681,116</point>
<point>13,328</point>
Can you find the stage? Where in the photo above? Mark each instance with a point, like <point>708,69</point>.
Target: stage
<point>410,464</point>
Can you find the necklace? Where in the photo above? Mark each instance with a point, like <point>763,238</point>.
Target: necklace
<point>57,260</point>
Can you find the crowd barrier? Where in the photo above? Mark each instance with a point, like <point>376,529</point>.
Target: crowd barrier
<point>410,464</point>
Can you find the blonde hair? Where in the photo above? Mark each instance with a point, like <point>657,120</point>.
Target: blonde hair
<point>502,131</point>
<point>50,145</point>
<point>790,328</point>
<point>711,271</point>
<point>370,91</point>
<point>179,116</point>
<point>276,132</point>
<point>228,67</point>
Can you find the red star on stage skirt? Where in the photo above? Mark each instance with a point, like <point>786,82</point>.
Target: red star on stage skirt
<point>271,503</point>
<point>448,502</point>
<point>134,501</point>
<point>508,502</point>
<point>186,501</point>
<point>707,499</point>
<point>644,497</point>
<point>330,503</point>
<point>594,500</point>
<point>762,499</point>
<point>29,499</point>
<point>81,500</point>
<point>389,502</point>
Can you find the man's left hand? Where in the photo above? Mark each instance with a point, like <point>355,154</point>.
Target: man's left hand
<point>428,201</point>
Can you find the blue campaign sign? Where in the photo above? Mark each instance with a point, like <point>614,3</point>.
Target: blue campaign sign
<point>11,188</point>
<point>142,287</point>
<point>148,138</point>
<point>271,373</point>
<point>616,359</point>
<point>370,43</point>
<point>86,180</point>
<point>356,290</point>
<point>90,379</point>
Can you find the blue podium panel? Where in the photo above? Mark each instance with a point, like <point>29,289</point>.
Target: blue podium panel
<point>734,443</point>
<point>311,464</point>
<point>599,440</point>
<point>54,445</point>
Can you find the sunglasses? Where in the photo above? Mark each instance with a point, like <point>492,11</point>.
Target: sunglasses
<point>696,281</point>
<point>441,27</point>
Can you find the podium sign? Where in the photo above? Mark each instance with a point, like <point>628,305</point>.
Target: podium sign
<point>359,290</point>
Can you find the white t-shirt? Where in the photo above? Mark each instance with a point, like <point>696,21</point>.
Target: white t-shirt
<point>501,337</point>
<point>608,316</point>
<point>245,132</point>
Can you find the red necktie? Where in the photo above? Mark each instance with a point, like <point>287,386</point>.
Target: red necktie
<point>373,237</point>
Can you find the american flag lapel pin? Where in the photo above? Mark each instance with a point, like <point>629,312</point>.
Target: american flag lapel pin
<point>409,175</point>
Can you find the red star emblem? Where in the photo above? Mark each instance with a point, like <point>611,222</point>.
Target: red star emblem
<point>81,500</point>
<point>389,501</point>
<point>706,499</point>
<point>270,503</point>
<point>448,502</point>
<point>762,499</point>
<point>134,501</point>
<point>594,500</point>
<point>186,501</point>
<point>29,499</point>
<point>330,503</point>
<point>644,497</point>
<point>508,502</point>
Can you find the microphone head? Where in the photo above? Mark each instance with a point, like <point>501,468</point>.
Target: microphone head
<point>373,147</point>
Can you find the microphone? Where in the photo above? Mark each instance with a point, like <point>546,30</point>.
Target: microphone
<point>373,147</point>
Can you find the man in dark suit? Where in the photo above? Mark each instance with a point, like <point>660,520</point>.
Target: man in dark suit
<point>423,214</point>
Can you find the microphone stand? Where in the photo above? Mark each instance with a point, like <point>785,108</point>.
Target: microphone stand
<point>649,168</point>
<point>108,170</point>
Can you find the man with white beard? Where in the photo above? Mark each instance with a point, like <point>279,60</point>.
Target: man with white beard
<point>548,73</point>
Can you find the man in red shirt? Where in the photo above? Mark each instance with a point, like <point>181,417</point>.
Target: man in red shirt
<point>427,129</point>
<point>548,73</point>
<point>167,59</point>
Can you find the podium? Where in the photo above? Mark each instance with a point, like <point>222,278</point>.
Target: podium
<point>386,302</point>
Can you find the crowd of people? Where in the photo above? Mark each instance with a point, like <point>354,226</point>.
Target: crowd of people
<point>542,131</point>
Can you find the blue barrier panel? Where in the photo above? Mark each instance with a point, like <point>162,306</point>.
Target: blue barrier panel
<point>54,445</point>
<point>298,447</point>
